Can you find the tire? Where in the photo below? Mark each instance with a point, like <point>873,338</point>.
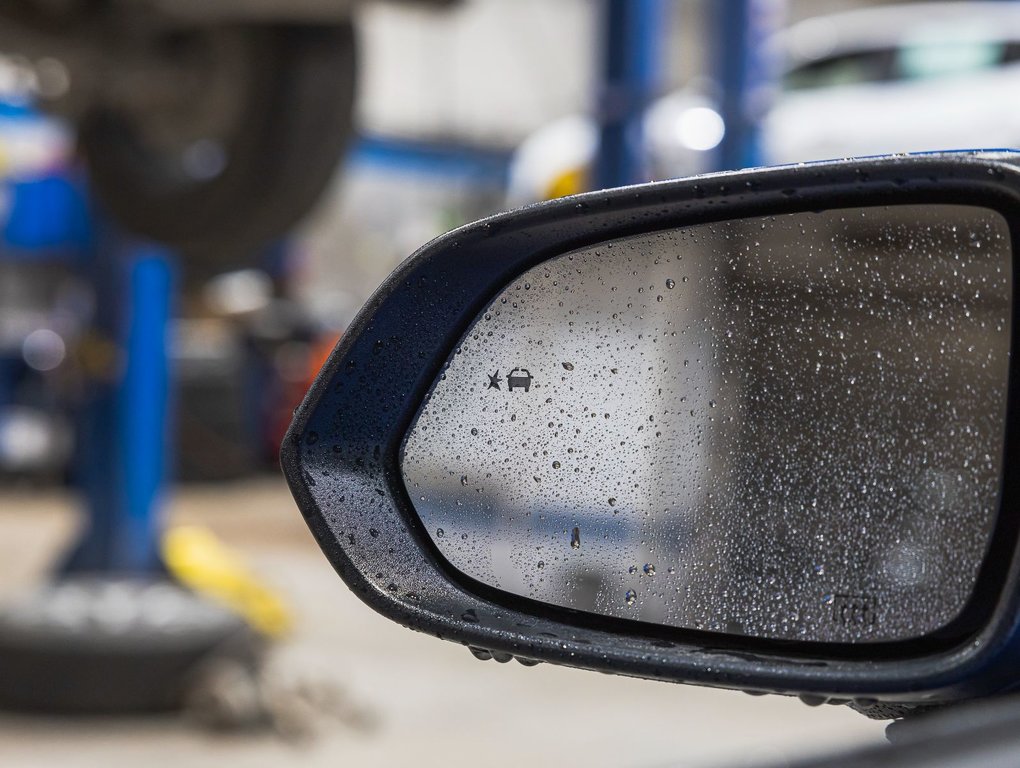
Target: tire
<point>291,123</point>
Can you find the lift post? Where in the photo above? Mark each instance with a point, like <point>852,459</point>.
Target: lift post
<point>744,70</point>
<point>630,45</point>
<point>112,631</point>
<point>125,434</point>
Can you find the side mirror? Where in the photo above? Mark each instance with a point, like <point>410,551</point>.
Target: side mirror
<point>749,430</point>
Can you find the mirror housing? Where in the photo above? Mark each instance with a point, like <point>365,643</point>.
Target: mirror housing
<point>342,454</point>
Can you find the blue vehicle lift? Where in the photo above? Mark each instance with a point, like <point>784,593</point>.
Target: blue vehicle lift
<point>630,39</point>
<point>92,659</point>
<point>125,424</point>
<point>120,459</point>
<point>745,73</point>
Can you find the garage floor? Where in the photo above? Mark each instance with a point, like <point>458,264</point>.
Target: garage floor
<point>399,698</point>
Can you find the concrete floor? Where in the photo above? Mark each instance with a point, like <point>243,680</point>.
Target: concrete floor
<point>428,702</point>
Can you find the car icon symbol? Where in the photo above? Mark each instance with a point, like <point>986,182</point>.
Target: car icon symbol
<point>520,378</point>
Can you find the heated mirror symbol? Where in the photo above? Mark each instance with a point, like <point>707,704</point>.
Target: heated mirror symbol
<point>785,427</point>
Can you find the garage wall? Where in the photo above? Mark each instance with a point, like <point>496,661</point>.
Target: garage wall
<point>490,70</point>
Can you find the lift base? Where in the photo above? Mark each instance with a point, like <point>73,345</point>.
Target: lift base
<point>104,644</point>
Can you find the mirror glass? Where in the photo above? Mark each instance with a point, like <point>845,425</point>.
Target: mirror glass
<point>786,427</point>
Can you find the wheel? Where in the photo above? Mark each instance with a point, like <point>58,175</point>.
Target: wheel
<point>229,141</point>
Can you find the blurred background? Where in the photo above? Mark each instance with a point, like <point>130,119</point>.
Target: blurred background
<point>195,202</point>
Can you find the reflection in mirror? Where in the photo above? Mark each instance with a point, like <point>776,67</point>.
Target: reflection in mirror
<point>785,427</point>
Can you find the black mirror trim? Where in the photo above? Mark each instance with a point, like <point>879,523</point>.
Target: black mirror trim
<point>348,431</point>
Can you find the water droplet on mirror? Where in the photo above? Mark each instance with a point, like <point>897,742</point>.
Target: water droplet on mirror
<point>463,480</point>
<point>630,597</point>
<point>556,465</point>
<point>671,284</point>
<point>612,501</point>
<point>575,538</point>
<point>649,569</point>
<point>474,431</point>
<point>568,366</point>
<point>440,532</point>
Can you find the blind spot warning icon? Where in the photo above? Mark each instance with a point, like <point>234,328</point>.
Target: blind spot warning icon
<point>519,378</point>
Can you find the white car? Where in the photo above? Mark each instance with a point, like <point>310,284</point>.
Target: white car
<point>908,78</point>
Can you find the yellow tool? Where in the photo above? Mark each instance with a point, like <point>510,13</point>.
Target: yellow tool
<point>200,561</point>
